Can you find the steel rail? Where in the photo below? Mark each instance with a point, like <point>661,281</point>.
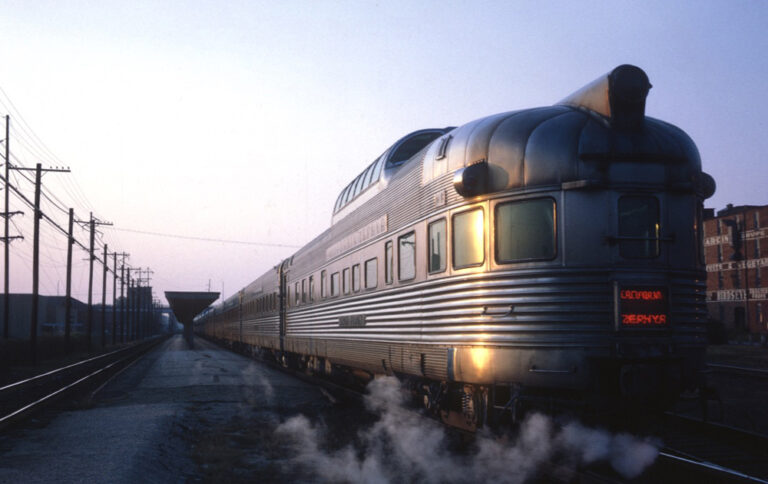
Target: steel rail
<point>761,372</point>
<point>71,372</point>
<point>721,471</point>
<point>41,376</point>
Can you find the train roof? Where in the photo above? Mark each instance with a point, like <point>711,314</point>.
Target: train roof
<point>598,135</point>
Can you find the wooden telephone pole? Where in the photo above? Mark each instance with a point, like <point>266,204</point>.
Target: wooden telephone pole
<point>8,238</point>
<point>36,253</point>
<point>92,223</point>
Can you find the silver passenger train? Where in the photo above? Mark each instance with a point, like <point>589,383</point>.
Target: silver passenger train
<point>544,255</point>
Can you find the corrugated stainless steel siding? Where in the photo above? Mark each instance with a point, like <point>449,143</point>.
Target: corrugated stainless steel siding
<point>558,307</point>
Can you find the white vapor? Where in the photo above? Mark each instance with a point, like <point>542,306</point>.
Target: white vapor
<point>403,446</point>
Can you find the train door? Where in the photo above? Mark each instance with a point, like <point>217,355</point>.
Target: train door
<point>282,299</point>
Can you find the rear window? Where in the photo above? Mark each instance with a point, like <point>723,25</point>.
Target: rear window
<point>639,227</point>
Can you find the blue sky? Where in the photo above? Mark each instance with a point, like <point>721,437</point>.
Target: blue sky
<point>243,120</point>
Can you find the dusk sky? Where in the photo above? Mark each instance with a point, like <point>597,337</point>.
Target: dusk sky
<point>241,120</point>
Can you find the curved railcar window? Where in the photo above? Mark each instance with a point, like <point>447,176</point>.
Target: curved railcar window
<point>639,227</point>
<point>468,238</point>
<point>525,230</point>
<point>437,246</point>
<point>334,284</point>
<point>311,288</point>
<point>377,169</point>
<point>371,273</point>
<point>388,263</point>
<point>412,146</point>
<point>406,257</point>
<point>358,186</point>
<point>356,277</point>
<point>297,293</point>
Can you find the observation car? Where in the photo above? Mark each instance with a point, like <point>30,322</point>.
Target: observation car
<point>548,255</point>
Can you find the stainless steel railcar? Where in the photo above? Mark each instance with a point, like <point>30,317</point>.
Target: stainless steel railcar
<point>552,253</point>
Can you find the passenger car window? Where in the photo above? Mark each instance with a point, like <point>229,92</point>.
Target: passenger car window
<point>388,262</point>
<point>334,284</point>
<point>468,238</point>
<point>437,246</point>
<point>371,273</point>
<point>311,288</point>
<point>525,230</point>
<point>322,285</point>
<point>356,277</point>
<point>406,256</point>
<point>639,227</point>
<point>345,281</point>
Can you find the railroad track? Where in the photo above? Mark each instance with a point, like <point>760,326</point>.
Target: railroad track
<point>713,450</point>
<point>741,370</point>
<point>20,399</point>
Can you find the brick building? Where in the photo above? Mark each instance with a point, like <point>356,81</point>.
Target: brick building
<point>736,253</point>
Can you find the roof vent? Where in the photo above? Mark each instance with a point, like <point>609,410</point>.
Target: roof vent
<point>619,96</point>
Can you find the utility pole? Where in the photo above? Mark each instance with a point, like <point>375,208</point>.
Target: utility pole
<point>104,301</point>
<point>7,219</point>
<point>128,302</point>
<point>68,299</point>
<point>36,254</point>
<point>137,305</point>
<point>8,238</point>
<point>122,302</point>
<point>92,223</point>
<point>123,324</point>
<point>114,298</point>
<point>146,300</point>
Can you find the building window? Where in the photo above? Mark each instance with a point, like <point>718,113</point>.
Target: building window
<point>371,273</point>
<point>356,277</point>
<point>720,282</point>
<point>756,219</point>
<point>322,285</point>
<point>525,230</point>
<point>345,281</point>
<point>719,253</point>
<point>758,279</point>
<point>757,249</point>
<point>639,227</point>
<point>468,239</point>
<point>388,263</point>
<point>334,284</point>
<point>406,256</point>
<point>438,232</point>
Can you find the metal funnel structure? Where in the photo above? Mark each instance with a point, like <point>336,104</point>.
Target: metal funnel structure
<point>187,305</point>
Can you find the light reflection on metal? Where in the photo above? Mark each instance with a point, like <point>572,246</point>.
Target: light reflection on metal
<point>481,358</point>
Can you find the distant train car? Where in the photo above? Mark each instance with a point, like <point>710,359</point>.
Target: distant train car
<point>545,255</point>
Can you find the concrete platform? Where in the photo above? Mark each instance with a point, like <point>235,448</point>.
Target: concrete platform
<point>168,418</point>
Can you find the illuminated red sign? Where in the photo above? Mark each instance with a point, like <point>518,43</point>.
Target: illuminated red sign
<point>643,306</point>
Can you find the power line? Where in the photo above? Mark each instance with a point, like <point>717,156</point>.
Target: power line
<point>205,239</point>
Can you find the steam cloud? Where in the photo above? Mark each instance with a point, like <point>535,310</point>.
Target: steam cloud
<point>403,446</point>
